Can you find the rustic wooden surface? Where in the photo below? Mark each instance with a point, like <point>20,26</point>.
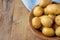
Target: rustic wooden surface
<point>20,27</point>
<point>19,30</point>
<point>6,9</point>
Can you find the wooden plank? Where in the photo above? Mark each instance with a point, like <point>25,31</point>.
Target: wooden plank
<point>20,27</point>
<point>0,5</point>
<point>6,21</point>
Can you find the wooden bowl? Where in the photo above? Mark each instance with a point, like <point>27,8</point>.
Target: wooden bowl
<point>38,33</point>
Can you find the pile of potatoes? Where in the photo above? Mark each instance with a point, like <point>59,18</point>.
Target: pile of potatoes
<point>47,18</point>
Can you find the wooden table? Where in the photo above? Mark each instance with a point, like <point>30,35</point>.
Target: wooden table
<point>20,29</point>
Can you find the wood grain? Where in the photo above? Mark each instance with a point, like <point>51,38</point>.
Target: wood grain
<point>14,26</point>
<point>20,27</point>
<point>0,5</point>
<point>6,19</point>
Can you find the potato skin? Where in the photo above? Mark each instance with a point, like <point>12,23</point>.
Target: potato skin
<point>57,20</point>
<point>38,11</point>
<point>36,22</point>
<point>52,9</point>
<point>48,31</point>
<point>57,31</point>
<point>46,21</point>
<point>44,3</point>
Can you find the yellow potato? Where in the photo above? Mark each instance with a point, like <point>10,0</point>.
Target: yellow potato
<point>36,22</point>
<point>52,9</point>
<point>38,11</point>
<point>52,16</point>
<point>48,31</point>
<point>57,31</point>
<point>57,20</point>
<point>44,3</point>
<point>46,21</point>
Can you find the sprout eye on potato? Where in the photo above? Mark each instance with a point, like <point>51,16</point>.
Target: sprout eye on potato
<point>38,11</point>
<point>52,9</point>
<point>48,31</point>
<point>46,21</point>
<point>36,22</point>
<point>44,3</point>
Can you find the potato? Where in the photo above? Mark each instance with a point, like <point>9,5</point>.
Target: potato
<point>46,21</point>
<point>44,3</point>
<point>52,9</point>
<point>36,22</point>
<point>38,11</point>
<point>48,31</point>
<point>57,20</point>
<point>52,16</point>
<point>57,31</point>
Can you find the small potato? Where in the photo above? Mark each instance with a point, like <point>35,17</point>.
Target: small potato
<point>57,31</point>
<point>57,20</point>
<point>44,3</point>
<point>48,31</point>
<point>38,11</point>
<point>36,22</point>
<point>52,16</point>
<point>46,21</point>
<point>52,9</point>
